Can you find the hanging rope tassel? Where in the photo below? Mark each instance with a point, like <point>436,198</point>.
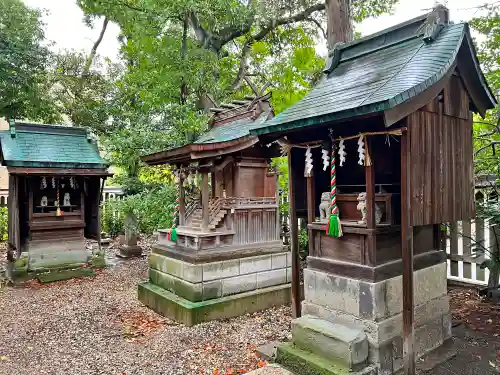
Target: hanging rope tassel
<point>173,231</point>
<point>334,228</point>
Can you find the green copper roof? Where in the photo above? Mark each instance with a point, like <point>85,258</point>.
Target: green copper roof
<point>234,130</point>
<point>380,72</point>
<point>48,146</point>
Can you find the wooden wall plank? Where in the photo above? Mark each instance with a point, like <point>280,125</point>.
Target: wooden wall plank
<point>441,167</point>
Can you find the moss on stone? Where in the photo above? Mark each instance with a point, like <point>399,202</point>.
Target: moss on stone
<point>191,313</point>
<point>98,262</point>
<point>50,277</point>
<point>301,362</point>
<point>21,263</point>
<point>182,288</point>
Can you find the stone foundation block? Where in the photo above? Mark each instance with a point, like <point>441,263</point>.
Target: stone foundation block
<point>304,362</point>
<point>332,291</point>
<point>255,264</point>
<point>373,301</point>
<point>348,345</point>
<point>239,284</point>
<point>270,278</point>
<point>278,261</point>
<point>191,313</point>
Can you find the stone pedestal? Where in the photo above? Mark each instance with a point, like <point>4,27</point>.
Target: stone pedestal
<point>128,241</point>
<point>192,287</point>
<point>374,310</point>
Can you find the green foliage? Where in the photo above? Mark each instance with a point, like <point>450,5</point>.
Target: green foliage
<point>281,166</point>
<point>303,244</point>
<point>86,94</point>
<point>23,59</point>
<point>4,227</point>
<point>153,208</point>
<point>112,218</point>
<point>487,133</point>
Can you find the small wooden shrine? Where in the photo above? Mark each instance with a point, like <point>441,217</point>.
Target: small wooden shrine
<point>380,154</point>
<point>56,176</point>
<point>224,256</point>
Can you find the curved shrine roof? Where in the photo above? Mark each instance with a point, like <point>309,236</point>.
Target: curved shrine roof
<point>384,70</point>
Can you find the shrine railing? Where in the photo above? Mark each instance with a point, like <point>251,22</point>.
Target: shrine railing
<point>235,202</point>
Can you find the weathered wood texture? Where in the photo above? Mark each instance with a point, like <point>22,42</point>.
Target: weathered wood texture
<point>254,226</point>
<point>440,153</point>
<point>294,233</point>
<point>355,245</point>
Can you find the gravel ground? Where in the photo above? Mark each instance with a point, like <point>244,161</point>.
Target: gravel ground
<point>97,326</point>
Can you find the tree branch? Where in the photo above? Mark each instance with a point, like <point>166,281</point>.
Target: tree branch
<point>492,145</point>
<point>228,34</point>
<point>316,22</point>
<point>242,70</point>
<point>302,16</point>
<point>93,51</point>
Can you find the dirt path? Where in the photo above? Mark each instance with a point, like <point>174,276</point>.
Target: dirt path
<point>97,326</point>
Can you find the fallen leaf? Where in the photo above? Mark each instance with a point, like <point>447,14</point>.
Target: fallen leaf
<point>4,358</point>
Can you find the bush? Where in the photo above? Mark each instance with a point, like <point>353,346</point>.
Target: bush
<point>112,218</point>
<point>4,224</point>
<point>153,208</point>
<point>303,244</point>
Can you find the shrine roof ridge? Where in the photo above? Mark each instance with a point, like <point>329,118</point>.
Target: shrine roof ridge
<point>49,146</point>
<point>381,71</point>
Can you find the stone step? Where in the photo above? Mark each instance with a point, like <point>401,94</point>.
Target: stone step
<point>301,361</point>
<point>347,345</point>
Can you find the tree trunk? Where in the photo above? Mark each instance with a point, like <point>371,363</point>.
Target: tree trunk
<point>339,22</point>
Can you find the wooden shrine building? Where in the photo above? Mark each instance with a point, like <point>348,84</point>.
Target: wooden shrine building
<point>396,108</point>
<point>226,257</point>
<point>56,176</point>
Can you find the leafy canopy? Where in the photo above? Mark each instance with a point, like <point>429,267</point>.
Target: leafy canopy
<point>23,59</point>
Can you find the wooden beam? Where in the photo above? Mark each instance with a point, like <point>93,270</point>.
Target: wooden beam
<point>205,201</point>
<point>182,201</point>
<point>294,240</point>
<point>407,251</point>
<point>58,171</point>
<point>212,184</point>
<point>371,251</point>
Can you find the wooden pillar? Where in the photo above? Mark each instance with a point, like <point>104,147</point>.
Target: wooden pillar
<point>407,250</point>
<point>205,201</point>
<point>182,201</point>
<point>212,178</point>
<point>311,209</point>
<point>370,258</point>
<point>294,240</point>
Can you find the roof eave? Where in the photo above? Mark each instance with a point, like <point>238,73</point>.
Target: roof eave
<point>193,151</point>
<point>481,94</point>
<point>370,109</point>
<point>45,164</point>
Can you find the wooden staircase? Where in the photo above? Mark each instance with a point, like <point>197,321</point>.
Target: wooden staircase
<point>216,216</point>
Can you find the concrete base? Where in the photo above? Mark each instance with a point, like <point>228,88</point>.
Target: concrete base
<point>302,362</point>
<point>191,313</point>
